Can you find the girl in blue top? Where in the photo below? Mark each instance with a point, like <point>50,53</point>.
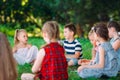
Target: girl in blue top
<point>114,29</point>
<point>106,58</point>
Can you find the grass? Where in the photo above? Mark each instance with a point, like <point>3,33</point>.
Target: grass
<point>86,46</point>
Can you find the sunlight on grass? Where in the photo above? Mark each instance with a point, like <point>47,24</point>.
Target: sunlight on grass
<point>72,71</point>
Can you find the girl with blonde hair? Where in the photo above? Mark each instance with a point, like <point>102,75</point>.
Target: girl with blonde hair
<point>94,49</point>
<point>51,63</point>
<point>23,52</point>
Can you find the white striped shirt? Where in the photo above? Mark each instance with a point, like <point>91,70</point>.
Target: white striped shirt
<point>72,47</point>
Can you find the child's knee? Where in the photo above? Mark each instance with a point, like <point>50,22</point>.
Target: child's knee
<point>70,63</point>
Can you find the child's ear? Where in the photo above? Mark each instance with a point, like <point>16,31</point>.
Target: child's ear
<point>112,29</point>
<point>44,34</point>
<point>97,35</point>
<point>72,33</point>
<point>18,37</point>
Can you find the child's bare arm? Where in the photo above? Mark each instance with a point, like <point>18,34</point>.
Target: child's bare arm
<point>37,65</point>
<point>116,45</point>
<point>93,53</point>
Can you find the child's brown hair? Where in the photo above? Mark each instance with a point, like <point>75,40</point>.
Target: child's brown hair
<point>101,30</point>
<point>114,24</point>
<point>17,32</point>
<point>7,62</point>
<point>52,28</point>
<point>71,27</point>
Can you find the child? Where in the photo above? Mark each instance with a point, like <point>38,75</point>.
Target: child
<point>23,52</point>
<point>7,63</point>
<point>71,45</point>
<point>94,49</point>
<point>51,63</point>
<point>114,28</point>
<point>106,58</point>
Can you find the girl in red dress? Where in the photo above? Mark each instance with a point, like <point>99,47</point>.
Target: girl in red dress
<point>51,63</point>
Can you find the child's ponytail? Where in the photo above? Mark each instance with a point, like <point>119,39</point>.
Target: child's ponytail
<point>15,37</point>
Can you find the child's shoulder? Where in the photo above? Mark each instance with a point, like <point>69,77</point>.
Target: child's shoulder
<point>77,41</point>
<point>20,46</point>
<point>16,47</point>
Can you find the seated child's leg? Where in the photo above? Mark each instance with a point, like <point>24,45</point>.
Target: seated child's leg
<point>19,59</point>
<point>32,53</point>
<point>73,61</point>
<point>87,72</point>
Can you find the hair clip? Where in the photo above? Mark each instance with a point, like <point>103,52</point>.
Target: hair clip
<point>93,28</point>
<point>118,33</point>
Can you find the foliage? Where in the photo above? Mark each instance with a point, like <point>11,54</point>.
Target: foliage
<point>31,14</point>
<point>37,41</point>
<point>32,30</point>
<point>36,12</point>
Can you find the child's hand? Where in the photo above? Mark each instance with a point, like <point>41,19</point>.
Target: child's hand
<point>83,62</point>
<point>80,61</point>
<point>80,68</point>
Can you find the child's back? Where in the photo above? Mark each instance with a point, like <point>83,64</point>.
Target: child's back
<point>51,63</point>
<point>54,64</point>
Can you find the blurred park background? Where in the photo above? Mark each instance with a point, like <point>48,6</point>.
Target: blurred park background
<point>31,14</point>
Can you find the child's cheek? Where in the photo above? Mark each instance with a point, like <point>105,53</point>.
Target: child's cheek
<point>94,43</point>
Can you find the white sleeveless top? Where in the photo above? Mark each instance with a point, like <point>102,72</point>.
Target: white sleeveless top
<point>25,55</point>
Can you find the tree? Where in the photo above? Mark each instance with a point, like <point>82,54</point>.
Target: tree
<point>36,12</point>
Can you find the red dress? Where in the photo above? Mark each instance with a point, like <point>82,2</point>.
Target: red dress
<point>54,65</point>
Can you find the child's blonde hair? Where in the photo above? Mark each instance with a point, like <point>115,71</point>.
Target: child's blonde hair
<point>91,32</point>
<point>17,32</point>
<point>7,63</point>
<point>52,28</point>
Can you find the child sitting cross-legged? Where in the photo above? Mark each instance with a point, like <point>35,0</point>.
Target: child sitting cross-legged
<point>51,63</point>
<point>94,49</point>
<point>71,45</point>
<point>23,52</point>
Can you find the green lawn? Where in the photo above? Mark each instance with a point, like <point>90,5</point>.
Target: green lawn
<point>71,70</point>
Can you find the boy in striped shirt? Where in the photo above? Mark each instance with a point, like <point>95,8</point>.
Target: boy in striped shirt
<point>71,45</point>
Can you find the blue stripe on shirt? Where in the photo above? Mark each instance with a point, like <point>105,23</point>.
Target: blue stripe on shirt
<point>71,47</point>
